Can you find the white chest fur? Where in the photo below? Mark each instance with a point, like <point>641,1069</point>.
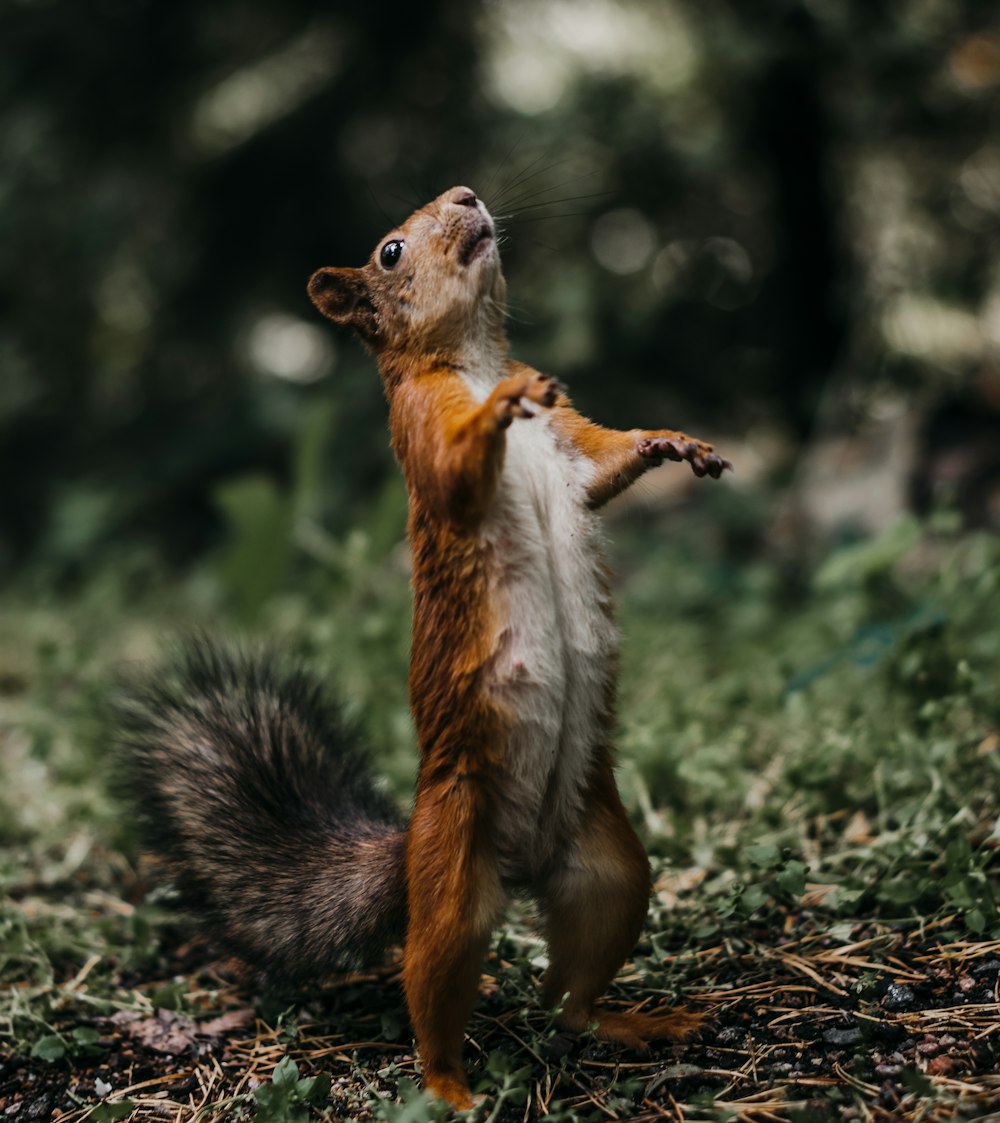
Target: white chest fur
<point>555,642</point>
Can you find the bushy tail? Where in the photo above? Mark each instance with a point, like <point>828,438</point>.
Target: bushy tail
<point>248,784</point>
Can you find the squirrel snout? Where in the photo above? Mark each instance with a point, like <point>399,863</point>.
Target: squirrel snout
<point>463,197</point>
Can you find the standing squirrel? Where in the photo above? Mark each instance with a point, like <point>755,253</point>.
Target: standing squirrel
<point>247,782</point>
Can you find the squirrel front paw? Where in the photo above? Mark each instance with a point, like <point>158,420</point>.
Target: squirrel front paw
<point>512,393</point>
<point>704,460</point>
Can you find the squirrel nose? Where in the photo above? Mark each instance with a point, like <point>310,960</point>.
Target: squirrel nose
<point>463,197</point>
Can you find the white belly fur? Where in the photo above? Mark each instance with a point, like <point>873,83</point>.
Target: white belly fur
<point>554,642</point>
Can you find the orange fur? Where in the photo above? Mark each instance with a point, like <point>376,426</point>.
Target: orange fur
<point>455,898</point>
<point>595,908</point>
<point>613,451</point>
<point>434,318</point>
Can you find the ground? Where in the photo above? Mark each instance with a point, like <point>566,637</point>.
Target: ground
<point>859,1023</point>
<point>810,749</point>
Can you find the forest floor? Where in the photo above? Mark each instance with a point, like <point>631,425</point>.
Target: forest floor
<point>864,1022</point>
<point>811,752</point>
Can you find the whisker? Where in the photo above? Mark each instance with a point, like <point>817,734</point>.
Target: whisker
<point>517,217</point>
<point>410,207</point>
<point>420,196</point>
<point>507,199</point>
<point>551,217</point>
<point>520,177</point>
<point>544,245</point>
<point>518,314</point>
<point>381,209</point>
<point>510,152</point>
<point>564,199</point>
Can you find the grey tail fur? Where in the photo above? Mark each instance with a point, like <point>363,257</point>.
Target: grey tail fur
<point>248,784</point>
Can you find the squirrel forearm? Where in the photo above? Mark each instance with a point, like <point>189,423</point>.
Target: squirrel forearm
<point>455,454</point>
<point>619,457</point>
<point>451,448</point>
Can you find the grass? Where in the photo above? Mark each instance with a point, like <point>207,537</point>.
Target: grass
<point>812,751</point>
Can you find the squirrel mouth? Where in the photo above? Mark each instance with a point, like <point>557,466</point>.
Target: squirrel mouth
<point>474,242</point>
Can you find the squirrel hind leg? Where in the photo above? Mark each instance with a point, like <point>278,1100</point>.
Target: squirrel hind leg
<point>594,914</point>
<point>455,900</point>
<point>594,908</point>
<point>636,1030</point>
<point>454,1090</point>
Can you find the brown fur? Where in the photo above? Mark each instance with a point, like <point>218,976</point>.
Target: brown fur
<point>249,785</point>
<point>434,319</point>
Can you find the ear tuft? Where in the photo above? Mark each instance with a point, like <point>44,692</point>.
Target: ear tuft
<point>337,292</point>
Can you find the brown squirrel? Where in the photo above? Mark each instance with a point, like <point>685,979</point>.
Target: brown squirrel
<point>248,783</point>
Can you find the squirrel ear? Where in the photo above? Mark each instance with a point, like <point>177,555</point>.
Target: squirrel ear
<point>343,296</point>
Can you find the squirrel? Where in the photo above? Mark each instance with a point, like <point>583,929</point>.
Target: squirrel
<point>259,798</point>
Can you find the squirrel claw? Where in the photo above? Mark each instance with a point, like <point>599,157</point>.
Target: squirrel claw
<point>703,460</point>
<point>658,449</point>
<point>514,396</point>
<point>544,390</point>
<point>716,465</point>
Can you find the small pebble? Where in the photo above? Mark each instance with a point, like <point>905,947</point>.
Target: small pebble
<point>888,1070</point>
<point>728,1035</point>
<point>898,996</point>
<point>941,1066</point>
<point>849,1035</point>
<point>41,1109</point>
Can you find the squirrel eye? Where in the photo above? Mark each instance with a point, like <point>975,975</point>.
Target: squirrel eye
<point>390,254</point>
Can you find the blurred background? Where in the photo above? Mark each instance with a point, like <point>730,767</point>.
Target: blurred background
<point>774,224</point>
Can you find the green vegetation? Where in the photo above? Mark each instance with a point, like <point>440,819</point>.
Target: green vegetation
<point>813,755</point>
<point>775,220</point>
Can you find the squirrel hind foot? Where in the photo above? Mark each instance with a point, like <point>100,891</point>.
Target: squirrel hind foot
<point>452,1089</point>
<point>635,1031</point>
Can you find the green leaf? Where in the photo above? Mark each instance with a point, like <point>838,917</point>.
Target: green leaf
<point>901,890</point>
<point>108,1112</point>
<point>313,1088</point>
<point>753,897</point>
<point>51,1047</point>
<point>274,1105</point>
<point>270,1098</point>
<point>498,1064</point>
<point>975,920</point>
<point>170,996</point>
<point>286,1073</point>
<point>792,878</point>
<point>764,854</point>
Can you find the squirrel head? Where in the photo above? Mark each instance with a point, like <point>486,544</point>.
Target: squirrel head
<point>433,285</point>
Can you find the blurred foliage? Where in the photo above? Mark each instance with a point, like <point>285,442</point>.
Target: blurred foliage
<point>777,219</point>
<point>826,741</point>
<point>719,212</point>
<point>768,218</point>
